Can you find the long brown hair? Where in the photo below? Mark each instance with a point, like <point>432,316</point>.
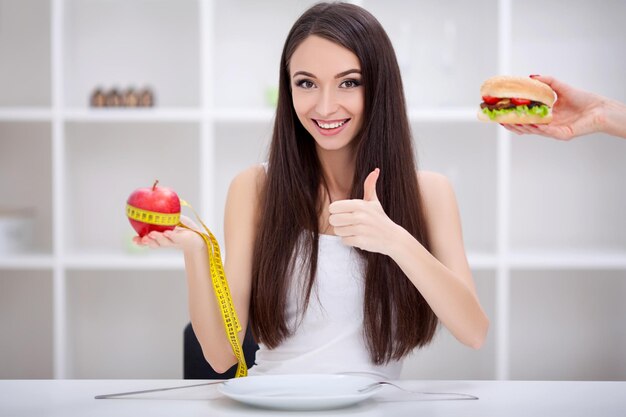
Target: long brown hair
<point>396,316</point>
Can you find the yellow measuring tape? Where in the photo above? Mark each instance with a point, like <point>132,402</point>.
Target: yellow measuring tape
<point>222,292</point>
<point>218,277</point>
<point>152,217</point>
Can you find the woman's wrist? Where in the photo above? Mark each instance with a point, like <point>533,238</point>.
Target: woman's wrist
<point>400,240</point>
<point>195,246</point>
<point>613,118</point>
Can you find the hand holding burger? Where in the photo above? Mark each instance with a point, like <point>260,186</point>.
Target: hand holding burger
<point>516,100</point>
<point>576,113</point>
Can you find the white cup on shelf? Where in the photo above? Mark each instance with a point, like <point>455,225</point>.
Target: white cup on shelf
<point>16,230</point>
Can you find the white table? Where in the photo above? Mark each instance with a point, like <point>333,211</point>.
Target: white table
<point>74,398</point>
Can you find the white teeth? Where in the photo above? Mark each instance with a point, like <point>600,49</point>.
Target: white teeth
<point>330,125</point>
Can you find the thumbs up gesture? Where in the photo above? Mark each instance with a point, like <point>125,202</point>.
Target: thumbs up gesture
<point>363,223</point>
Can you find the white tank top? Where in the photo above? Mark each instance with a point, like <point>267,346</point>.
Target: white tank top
<point>328,336</point>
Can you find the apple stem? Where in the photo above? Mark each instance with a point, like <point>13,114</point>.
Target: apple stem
<point>154,186</point>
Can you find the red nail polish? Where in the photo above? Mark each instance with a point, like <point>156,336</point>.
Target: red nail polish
<point>533,125</point>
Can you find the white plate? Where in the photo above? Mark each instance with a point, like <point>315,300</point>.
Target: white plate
<point>299,392</point>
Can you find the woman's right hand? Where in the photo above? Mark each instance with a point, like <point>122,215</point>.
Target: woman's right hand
<point>179,238</point>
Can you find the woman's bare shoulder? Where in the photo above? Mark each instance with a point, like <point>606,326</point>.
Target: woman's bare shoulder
<point>436,193</point>
<point>432,183</point>
<point>249,181</point>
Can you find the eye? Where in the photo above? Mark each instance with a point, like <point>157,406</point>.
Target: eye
<point>306,84</point>
<point>350,83</point>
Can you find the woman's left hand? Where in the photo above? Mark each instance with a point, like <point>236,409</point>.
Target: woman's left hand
<point>363,223</point>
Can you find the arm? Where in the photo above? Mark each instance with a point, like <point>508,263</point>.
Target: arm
<point>239,227</point>
<point>577,113</point>
<point>443,275</point>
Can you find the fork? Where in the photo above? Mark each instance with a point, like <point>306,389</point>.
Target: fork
<point>459,396</point>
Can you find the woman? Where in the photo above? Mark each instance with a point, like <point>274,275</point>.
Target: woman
<point>340,254</point>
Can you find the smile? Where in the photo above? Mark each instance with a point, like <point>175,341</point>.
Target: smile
<point>330,127</point>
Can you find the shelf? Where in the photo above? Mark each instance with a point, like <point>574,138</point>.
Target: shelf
<point>161,259</point>
<point>28,114</point>
<point>264,115</point>
<point>26,262</point>
<point>133,115</point>
<point>572,259</point>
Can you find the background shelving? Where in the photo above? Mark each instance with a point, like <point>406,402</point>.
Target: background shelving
<point>28,60</point>
<point>138,43</point>
<point>543,221</point>
<point>26,327</point>
<point>25,179</point>
<point>590,341</point>
<point>123,322</point>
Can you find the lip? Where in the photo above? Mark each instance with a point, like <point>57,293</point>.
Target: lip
<point>331,132</point>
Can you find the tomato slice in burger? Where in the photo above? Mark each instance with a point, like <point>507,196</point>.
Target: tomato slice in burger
<point>490,100</point>
<point>520,101</point>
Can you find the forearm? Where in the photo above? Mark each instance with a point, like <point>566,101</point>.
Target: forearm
<point>449,297</point>
<point>613,117</point>
<point>205,313</point>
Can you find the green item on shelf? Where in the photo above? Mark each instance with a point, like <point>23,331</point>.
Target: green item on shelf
<point>271,96</point>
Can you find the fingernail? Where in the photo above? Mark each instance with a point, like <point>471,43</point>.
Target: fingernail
<point>533,125</point>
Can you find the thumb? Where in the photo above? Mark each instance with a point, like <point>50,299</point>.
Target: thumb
<point>552,82</point>
<point>369,189</point>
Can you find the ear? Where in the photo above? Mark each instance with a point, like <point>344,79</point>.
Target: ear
<point>369,188</point>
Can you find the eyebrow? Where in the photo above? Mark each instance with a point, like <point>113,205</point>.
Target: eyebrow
<point>341,74</point>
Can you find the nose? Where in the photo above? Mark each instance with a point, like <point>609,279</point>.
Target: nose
<point>326,103</point>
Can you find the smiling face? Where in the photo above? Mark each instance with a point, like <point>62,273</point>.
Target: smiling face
<point>327,93</point>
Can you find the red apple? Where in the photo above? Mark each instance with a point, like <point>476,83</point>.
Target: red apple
<point>156,208</point>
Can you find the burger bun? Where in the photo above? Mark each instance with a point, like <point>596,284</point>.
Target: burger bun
<point>518,87</point>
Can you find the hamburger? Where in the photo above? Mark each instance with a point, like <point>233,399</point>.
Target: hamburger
<point>519,100</point>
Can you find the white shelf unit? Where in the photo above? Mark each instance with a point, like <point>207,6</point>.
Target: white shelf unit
<point>543,221</point>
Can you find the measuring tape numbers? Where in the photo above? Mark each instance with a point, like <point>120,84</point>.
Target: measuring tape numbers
<point>152,217</point>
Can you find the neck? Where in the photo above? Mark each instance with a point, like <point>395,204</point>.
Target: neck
<point>338,170</point>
